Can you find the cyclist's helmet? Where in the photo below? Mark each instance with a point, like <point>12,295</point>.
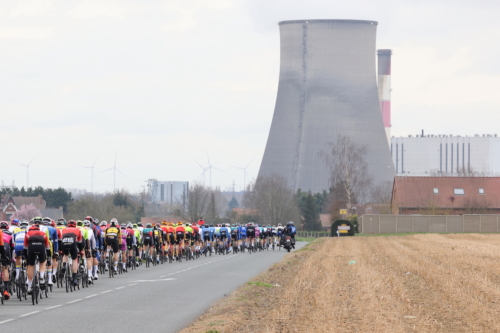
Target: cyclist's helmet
<point>103,223</point>
<point>4,225</point>
<point>60,222</point>
<point>96,221</point>
<point>79,223</point>
<point>134,226</point>
<point>139,224</point>
<point>188,224</point>
<point>122,226</point>
<point>179,223</point>
<point>71,224</point>
<point>34,227</point>
<point>89,218</point>
<point>36,220</point>
<point>23,224</point>
<point>149,225</point>
<point>279,224</point>
<point>86,223</point>
<point>129,225</point>
<point>164,223</point>
<point>291,222</point>
<point>114,222</point>
<point>46,220</point>
<point>14,222</point>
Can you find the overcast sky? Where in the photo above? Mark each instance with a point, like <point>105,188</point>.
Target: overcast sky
<point>164,82</point>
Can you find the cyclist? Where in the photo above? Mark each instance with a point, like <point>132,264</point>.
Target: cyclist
<point>36,244</point>
<point>257,234</point>
<point>148,239</point>
<point>291,231</point>
<point>13,225</point>
<point>91,252</point>
<point>54,242</point>
<point>189,238</point>
<point>113,240</point>
<point>196,237</point>
<point>180,233</point>
<point>250,231</point>
<point>171,240</point>
<point>224,234</point>
<point>242,235</point>
<point>207,237</point>
<point>138,238</point>
<point>19,234</point>
<point>71,244</point>
<point>96,230</point>
<point>158,238</point>
<point>7,246</point>
<point>123,247</point>
<point>60,226</point>
<point>131,242</point>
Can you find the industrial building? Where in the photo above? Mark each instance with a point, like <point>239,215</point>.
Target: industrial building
<point>328,87</point>
<point>425,155</point>
<point>168,192</point>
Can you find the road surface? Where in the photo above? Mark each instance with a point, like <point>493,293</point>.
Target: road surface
<point>164,298</point>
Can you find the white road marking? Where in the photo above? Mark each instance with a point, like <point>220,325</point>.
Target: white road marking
<point>28,314</point>
<point>120,288</point>
<point>76,300</point>
<point>6,321</point>
<point>169,279</point>
<point>53,307</point>
<point>107,291</point>
<point>91,296</point>
<point>133,284</point>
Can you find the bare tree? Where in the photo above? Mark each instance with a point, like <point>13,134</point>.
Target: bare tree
<point>198,202</point>
<point>274,199</point>
<point>348,168</point>
<point>26,212</point>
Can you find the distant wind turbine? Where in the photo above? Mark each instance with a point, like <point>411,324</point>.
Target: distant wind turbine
<point>92,175</point>
<point>245,174</point>
<point>202,174</point>
<point>27,166</point>
<point>210,167</point>
<point>115,169</point>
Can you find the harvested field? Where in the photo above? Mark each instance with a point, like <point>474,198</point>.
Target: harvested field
<point>415,283</point>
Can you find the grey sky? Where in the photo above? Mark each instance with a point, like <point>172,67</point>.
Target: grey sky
<point>163,82</point>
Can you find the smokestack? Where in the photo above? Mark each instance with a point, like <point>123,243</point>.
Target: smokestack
<point>384,88</point>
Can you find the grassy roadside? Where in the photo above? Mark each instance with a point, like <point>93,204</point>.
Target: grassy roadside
<point>256,299</point>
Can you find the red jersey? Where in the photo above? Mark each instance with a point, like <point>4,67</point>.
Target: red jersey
<point>36,236</point>
<point>196,230</point>
<point>180,229</point>
<point>170,230</point>
<point>71,235</point>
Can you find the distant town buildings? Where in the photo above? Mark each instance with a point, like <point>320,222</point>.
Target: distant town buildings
<point>168,192</point>
<point>10,204</point>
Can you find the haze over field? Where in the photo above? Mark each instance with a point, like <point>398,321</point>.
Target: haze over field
<point>163,82</point>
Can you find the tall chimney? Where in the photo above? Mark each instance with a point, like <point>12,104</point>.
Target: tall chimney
<point>384,89</point>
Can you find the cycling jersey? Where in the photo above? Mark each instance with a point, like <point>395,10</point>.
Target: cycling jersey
<point>242,231</point>
<point>8,244</point>
<point>147,237</point>
<point>224,233</point>
<point>71,241</point>
<point>19,234</point>
<point>36,242</point>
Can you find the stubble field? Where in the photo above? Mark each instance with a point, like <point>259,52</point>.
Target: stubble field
<point>414,283</point>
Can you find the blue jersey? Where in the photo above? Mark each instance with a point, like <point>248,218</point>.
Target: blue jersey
<point>206,232</point>
<point>53,237</point>
<point>226,232</point>
<point>243,232</point>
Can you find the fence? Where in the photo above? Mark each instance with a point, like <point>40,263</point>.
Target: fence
<point>390,224</point>
<point>313,234</point>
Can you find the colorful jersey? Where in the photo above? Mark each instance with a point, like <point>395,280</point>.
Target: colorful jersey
<point>35,237</point>
<point>71,235</point>
<point>113,233</point>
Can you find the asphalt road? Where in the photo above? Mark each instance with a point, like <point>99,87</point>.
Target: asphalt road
<point>164,298</point>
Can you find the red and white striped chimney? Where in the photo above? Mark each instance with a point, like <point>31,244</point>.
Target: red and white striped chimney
<point>384,88</point>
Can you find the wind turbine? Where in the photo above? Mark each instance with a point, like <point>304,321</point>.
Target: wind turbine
<point>203,172</point>
<point>115,169</point>
<point>92,175</point>
<point>210,167</point>
<point>27,170</point>
<point>245,174</point>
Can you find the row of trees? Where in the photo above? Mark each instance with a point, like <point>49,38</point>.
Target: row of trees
<point>55,198</point>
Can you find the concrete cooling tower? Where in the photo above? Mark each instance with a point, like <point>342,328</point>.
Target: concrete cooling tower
<point>327,87</point>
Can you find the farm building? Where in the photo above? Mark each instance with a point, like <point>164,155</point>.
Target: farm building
<point>445,195</point>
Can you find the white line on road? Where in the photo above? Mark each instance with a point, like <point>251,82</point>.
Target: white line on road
<point>91,296</point>
<point>120,288</point>
<point>6,321</point>
<point>76,300</point>
<point>133,284</point>
<point>107,291</point>
<point>53,307</point>
<point>28,314</point>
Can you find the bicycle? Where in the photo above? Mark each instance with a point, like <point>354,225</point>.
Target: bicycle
<point>35,286</point>
<point>21,282</point>
<point>82,273</point>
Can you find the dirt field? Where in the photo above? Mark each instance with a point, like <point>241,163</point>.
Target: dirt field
<point>415,283</point>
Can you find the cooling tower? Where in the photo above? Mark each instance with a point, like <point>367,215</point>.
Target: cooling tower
<point>327,87</point>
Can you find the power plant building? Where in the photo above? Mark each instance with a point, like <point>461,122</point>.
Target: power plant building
<point>327,88</point>
<point>452,155</point>
<point>168,192</point>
